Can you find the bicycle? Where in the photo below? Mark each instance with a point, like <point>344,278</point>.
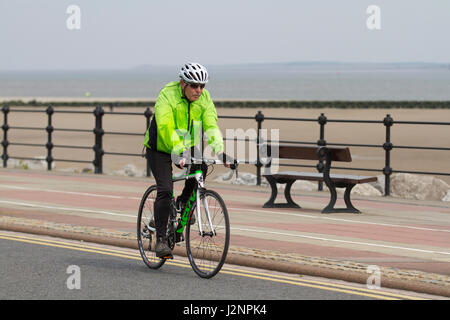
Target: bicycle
<point>207,239</point>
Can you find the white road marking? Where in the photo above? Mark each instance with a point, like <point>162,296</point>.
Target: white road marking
<point>263,211</point>
<point>342,241</point>
<point>33,205</point>
<point>69,192</point>
<point>339,219</point>
<point>233,228</point>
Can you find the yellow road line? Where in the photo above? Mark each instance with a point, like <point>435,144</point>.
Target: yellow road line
<point>225,270</point>
<point>316,282</point>
<point>82,245</point>
<point>325,287</point>
<point>86,248</point>
<point>68,246</point>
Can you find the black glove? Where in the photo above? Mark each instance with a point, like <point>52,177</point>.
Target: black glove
<point>227,159</point>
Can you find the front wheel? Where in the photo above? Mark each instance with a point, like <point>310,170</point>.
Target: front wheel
<point>207,248</point>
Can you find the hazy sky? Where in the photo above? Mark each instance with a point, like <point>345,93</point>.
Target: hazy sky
<point>122,34</point>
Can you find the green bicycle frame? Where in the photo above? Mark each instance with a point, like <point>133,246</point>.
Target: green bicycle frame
<point>195,198</point>
<point>187,210</point>
<point>190,203</point>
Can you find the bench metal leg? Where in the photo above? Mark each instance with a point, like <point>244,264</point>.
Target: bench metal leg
<point>273,196</point>
<point>349,204</point>
<point>333,196</point>
<point>287,193</point>
<point>330,207</point>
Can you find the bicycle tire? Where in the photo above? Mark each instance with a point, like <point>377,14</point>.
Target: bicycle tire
<point>145,237</point>
<point>207,252</point>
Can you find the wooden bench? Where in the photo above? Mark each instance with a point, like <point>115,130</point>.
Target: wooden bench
<point>327,154</point>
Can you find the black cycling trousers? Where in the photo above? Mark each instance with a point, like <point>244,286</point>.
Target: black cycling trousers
<point>161,166</point>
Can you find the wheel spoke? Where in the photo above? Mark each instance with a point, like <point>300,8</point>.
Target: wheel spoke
<point>207,251</point>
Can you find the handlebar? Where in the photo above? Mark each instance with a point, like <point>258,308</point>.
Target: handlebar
<point>210,161</point>
<point>233,166</point>
<point>206,161</point>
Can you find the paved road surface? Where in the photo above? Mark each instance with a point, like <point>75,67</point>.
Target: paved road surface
<point>36,267</point>
<point>408,240</point>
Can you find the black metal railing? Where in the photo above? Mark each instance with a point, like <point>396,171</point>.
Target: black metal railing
<point>387,146</point>
<point>99,133</point>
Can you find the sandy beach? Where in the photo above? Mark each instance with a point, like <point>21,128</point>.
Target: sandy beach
<point>344,133</point>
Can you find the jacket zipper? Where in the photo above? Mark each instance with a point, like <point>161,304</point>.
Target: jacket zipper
<point>189,117</point>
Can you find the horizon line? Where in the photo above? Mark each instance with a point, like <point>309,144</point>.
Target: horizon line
<point>166,65</point>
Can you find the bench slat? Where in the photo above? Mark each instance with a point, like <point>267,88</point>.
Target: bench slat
<point>316,176</point>
<point>310,152</point>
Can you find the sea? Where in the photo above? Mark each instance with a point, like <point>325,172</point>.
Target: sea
<point>277,81</point>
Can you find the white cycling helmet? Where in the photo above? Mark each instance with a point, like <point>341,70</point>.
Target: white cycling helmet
<point>194,73</point>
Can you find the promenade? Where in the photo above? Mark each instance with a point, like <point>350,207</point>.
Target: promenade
<point>409,241</point>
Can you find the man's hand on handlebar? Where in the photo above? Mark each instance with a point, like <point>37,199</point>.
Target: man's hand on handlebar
<point>182,162</point>
<point>228,161</point>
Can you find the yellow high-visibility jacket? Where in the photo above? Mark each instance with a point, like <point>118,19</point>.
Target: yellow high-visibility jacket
<point>177,123</point>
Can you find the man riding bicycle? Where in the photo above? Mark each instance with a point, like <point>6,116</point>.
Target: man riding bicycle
<point>182,109</point>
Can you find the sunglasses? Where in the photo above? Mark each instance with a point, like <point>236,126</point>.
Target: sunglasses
<point>196,85</point>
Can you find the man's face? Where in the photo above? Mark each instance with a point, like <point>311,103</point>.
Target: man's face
<point>192,91</point>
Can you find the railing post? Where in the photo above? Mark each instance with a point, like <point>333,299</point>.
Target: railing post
<point>387,146</point>
<point>5,142</point>
<point>49,144</point>
<point>148,114</point>
<point>321,142</point>
<point>98,147</point>
<point>259,117</point>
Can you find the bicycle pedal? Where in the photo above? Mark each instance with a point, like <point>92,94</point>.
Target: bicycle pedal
<point>179,237</point>
<point>168,257</point>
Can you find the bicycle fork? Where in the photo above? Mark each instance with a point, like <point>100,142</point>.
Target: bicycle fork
<point>202,198</point>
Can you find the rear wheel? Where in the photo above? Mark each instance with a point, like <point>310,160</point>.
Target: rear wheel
<point>207,250</point>
<point>146,232</point>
